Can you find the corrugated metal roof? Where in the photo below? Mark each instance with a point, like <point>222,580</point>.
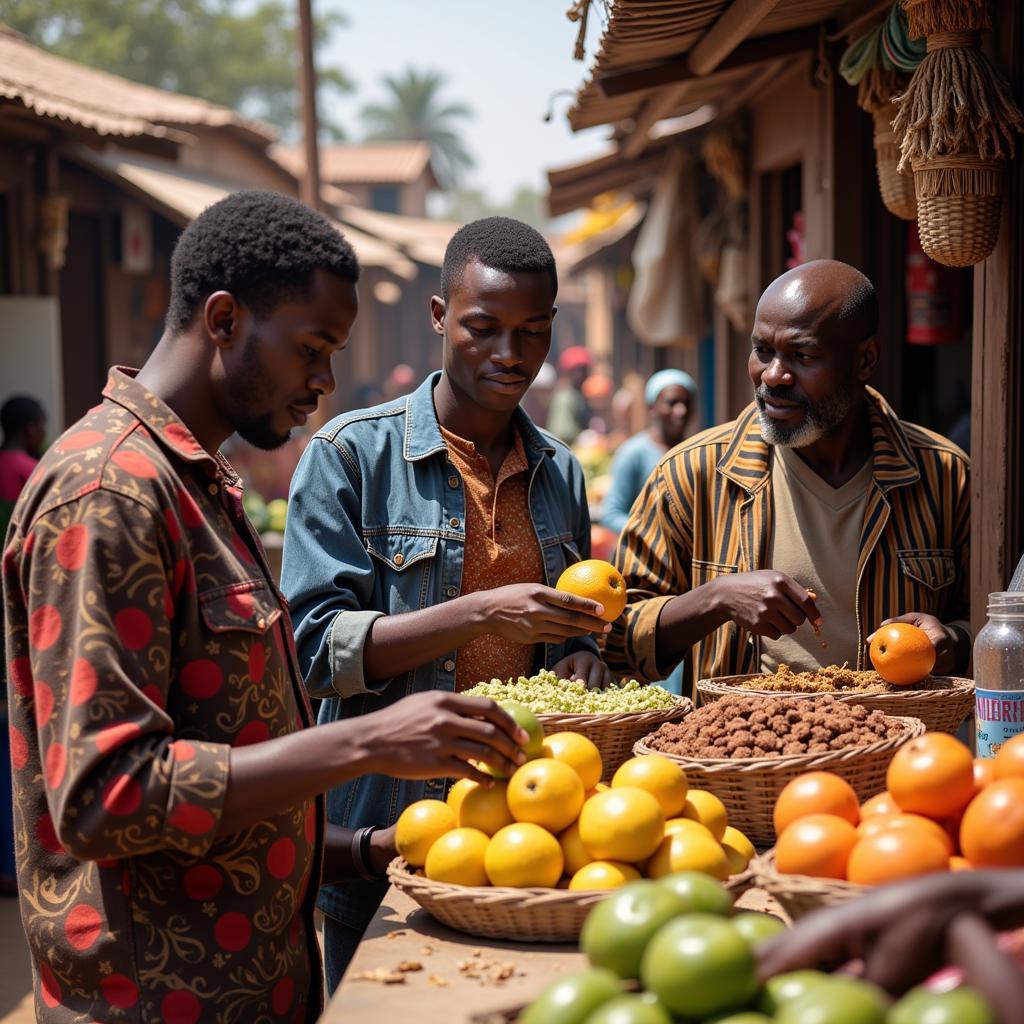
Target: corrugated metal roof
<point>384,163</point>
<point>54,87</point>
<point>641,32</point>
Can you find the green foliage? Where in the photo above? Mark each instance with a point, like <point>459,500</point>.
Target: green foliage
<point>415,109</point>
<point>238,55</point>
<point>526,204</point>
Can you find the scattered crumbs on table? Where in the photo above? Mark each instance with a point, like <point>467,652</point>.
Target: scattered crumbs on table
<point>396,934</point>
<point>428,951</point>
<point>409,966</point>
<point>381,975</point>
<point>438,982</point>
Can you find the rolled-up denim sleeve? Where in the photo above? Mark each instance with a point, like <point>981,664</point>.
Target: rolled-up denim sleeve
<point>327,573</point>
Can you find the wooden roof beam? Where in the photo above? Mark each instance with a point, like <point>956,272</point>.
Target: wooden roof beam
<point>678,70</point>
<point>658,106</point>
<point>734,24</point>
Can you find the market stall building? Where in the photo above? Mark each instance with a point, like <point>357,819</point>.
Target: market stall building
<point>749,92</point>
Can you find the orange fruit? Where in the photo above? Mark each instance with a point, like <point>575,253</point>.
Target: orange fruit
<point>902,654</point>
<point>931,775</point>
<point>458,857</point>
<point>896,853</point>
<point>579,753</point>
<point>815,793</point>
<point>739,850</point>
<point>603,874</point>
<point>419,826</point>
<point>545,792</point>
<point>575,855</point>
<point>882,822</point>
<point>992,830</point>
<point>1009,760</point>
<point>960,864</point>
<point>624,824</point>
<point>458,792</point>
<point>662,778</point>
<point>689,850</point>
<point>881,803</point>
<point>984,772</point>
<point>818,845</point>
<point>706,808</point>
<point>523,856</point>
<point>485,809</point>
<point>598,580</point>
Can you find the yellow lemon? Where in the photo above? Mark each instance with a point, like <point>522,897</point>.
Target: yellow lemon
<point>419,826</point>
<point>578,753</point>
<point>689,850</point>
<point>486,809</point>
<point>674,825</point>
<point>603,874</point>
<point>545,792</point>
<point>662,778</point>
<point>524,856</point>
<point>458,793</point>
<point>624,824</point>
<point>739,850</point>
<point>706,808</point>
<point>575,855</point>
<point>458,857</point>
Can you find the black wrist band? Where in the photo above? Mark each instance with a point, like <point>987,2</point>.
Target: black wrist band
<point>361,854</point>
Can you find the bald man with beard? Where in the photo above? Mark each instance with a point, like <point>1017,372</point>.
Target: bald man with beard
<point>791,534</point>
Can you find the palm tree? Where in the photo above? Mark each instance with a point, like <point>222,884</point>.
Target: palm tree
<point>416,110</point>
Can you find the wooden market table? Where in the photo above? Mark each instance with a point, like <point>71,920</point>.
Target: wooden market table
<point>401,932</point>
<point>460,974</point>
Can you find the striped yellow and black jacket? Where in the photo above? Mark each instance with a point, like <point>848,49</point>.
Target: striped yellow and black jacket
<point>707,510</point>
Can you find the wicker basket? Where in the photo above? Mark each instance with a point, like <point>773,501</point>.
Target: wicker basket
<point>749,786</point>
<point>522,915</point>
<point>800,894</point>
<point>959,199</point>
<point>940,710</point>
<point>614,733</point>
<point>897,189</point>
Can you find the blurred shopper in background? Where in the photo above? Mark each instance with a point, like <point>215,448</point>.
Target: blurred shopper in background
<point>537,400</point>
<point>670,397</point>
<point>569,414</point>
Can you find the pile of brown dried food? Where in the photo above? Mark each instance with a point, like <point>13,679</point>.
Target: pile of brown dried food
<point>830,679</point>
<point>773,726</point>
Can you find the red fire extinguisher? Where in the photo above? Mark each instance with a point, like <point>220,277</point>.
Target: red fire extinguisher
<point>935,297</point>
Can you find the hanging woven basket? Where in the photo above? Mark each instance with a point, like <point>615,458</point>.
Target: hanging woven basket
<point>959,202</point>
<point>897,188</point>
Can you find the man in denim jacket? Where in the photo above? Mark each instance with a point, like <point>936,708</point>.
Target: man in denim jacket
<point>425,535</point>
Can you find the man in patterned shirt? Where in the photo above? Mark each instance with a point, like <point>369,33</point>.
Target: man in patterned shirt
<point>789,535</point>
<point>169,824</point>
<point>425,535</point>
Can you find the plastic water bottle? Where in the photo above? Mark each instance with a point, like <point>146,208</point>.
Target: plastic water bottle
<point>999,673</point>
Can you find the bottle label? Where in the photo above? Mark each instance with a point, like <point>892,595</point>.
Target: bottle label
<point>999,716</point>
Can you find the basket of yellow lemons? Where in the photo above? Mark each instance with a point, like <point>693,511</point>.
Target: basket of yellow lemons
<point>527,857</point>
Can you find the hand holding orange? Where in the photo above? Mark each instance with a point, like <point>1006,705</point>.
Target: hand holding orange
<point>902,653</point>
<point>599,581</point>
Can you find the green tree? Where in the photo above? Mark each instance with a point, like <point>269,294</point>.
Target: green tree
<point>240,55</point>
<point>525,204</point>
<point>415,109</point>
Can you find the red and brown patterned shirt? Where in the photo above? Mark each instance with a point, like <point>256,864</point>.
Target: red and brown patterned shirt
<point>145,638</point>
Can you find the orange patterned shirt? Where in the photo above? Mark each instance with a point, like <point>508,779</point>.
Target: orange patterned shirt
<point>146,638</point>
<point>501,548</point>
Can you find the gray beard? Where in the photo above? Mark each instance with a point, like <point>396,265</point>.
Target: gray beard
<point>818,422</point>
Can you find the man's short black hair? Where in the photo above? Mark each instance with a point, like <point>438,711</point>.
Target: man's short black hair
<point>263,247</point>
<point>20,412</point>
<point>500,243</point>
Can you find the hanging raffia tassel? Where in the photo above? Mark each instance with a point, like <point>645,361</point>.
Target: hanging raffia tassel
<point>926,17</point>
<point>877,88</point>
<point>957,122</point>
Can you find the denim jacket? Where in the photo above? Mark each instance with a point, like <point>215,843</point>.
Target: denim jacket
<point>376,522</point>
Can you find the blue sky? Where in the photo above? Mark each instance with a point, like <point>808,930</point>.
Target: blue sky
<point>504,58</point>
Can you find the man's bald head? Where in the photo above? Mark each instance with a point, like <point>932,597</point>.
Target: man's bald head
<point>833,298</point>
<point>814,348</point>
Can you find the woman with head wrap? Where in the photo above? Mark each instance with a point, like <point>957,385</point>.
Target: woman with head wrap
<point>670,395</point>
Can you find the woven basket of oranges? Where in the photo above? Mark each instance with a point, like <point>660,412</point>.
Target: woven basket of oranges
<point>526,858</point>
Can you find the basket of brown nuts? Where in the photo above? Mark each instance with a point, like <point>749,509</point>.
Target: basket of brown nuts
<point>745,749</point>
<point>941,702</point>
